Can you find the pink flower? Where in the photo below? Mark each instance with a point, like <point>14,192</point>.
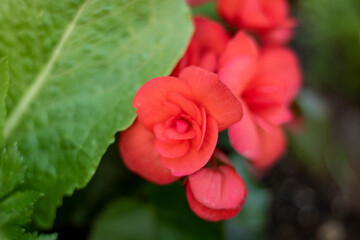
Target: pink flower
<point>177,124</point>
<point>268,18</point>
<point>216,193</point>
<point>206,45</point>
<point>266,82</point>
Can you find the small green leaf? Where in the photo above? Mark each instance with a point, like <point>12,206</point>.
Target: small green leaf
<point>12,170</point>
<point>75,67</point>
<point>19,206</point>
<point>4,84</point>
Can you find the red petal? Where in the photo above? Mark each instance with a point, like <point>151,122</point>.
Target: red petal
<point>273,144</point>
<point>280,35</point>
<point>283,63</point>
<point>261,144</point>
<point>228,10</point>
<point>210,35</point>
<point>213,95</point>
<point>136,146</point>
<point>208,61</point>
<point>244,136</point>
<point>220,188</point>
<point>186,105</point>
<point>173,134</point>
<point>266,90</point>
<point>206,213</point>
<point>172,150</point>
<point>276,10</point>
<point>194,159</point>
<point>252,15</point>
<point>241,44</point>
<point>150,100</point>
<point>277,115</point>
<point>237,73</point>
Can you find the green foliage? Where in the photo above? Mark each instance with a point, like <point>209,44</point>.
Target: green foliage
<point>329,38</point>
<point>4,84</point>
<point>167,216</point>
<point>16,206</point>
<point>75,66</point>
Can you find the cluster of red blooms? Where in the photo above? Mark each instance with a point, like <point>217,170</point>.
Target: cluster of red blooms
<point>222,82</point>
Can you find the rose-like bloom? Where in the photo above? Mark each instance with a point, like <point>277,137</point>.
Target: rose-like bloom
<point>206,45</point>
<point>266,82</point>
<point>268,18</point>
<point>177,124</point>
<point>216,193</point>
<point>195,3</point>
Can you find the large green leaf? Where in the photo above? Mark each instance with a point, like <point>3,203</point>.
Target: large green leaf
<point>4,84</point>
<point>75,66</point>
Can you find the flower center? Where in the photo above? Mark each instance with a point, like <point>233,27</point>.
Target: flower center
<point>182,126</point>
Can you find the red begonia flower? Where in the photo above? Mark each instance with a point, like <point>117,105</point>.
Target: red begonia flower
<point>179,121</point>
<point>195,3</point>
<point>266,82</point>
<point>216,193</point>
<point>206,45</point>
<point>268,18</point>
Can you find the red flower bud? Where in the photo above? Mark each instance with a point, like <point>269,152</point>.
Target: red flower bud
<point>216,193</point>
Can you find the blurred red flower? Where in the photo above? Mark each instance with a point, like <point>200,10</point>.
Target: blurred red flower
<point>268,18</point>
<point>205,47</point>
<point>177,125</point>
<point>216,193</point>
<point>266,82</point>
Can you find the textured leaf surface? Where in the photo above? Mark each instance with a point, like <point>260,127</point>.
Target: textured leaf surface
<point>75,66</point>
<point>16,207</point>
<point>12,170</point>
<point>4,84</point>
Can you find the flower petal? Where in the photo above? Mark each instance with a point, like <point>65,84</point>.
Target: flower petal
<point>218,188</point>
<point>151,103</point>
<point>244,136</point>
<point>194,159</point>
<point>252,15</point>
<point>273,145</point>
<point>136,146</point>
<point>237,73</point>
<point>283,63</point>
<point>241,44</point>
<point>172,150</point>
<point>262,143</point>
<point>210,35</point>
<point>213,95</point>
<point>207,213</point>
<point>228,10</point>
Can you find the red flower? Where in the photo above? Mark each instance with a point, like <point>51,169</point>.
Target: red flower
<point>266,83</point>
<point>268,18</point>
<point>216,193</point>
<point>177,125</point>
<point>206,45</point>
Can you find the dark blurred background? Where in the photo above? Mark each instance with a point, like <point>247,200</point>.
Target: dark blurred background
<point>312,193</point>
